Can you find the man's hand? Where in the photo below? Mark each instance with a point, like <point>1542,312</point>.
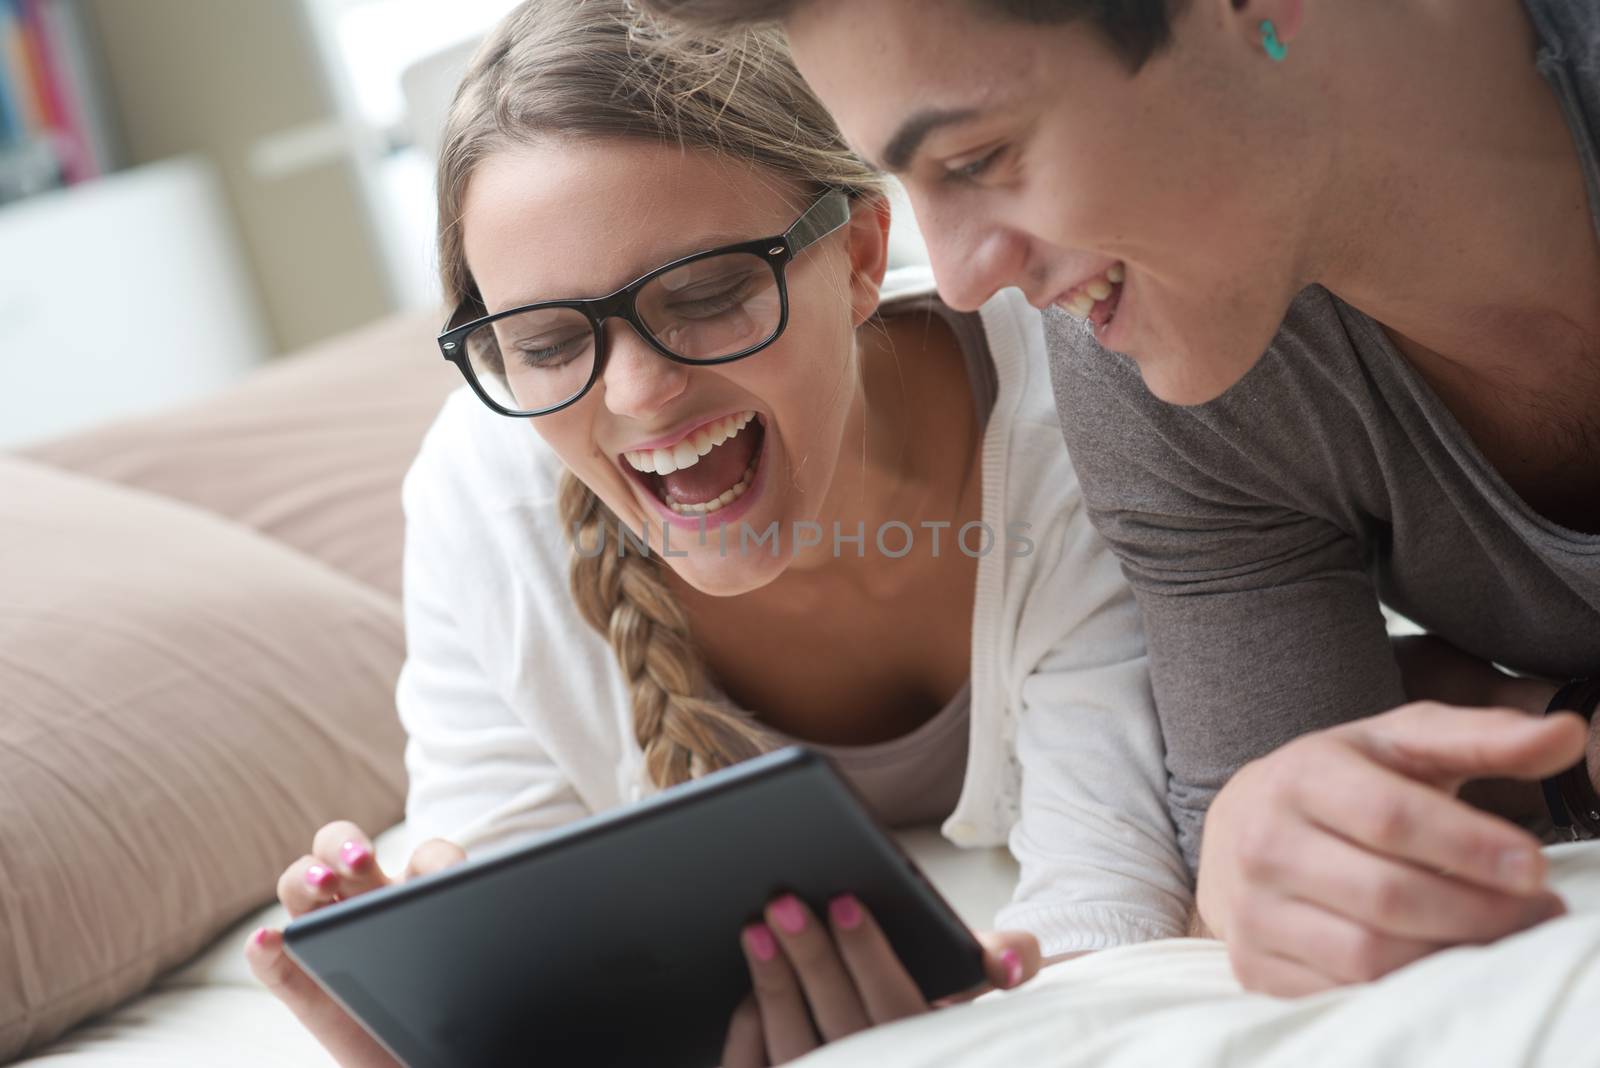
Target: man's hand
<point>1345,854</point>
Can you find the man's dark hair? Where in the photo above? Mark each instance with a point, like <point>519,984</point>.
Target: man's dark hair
<point>1135,29</point>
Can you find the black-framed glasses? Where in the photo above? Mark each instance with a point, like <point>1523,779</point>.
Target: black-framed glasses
<point>712,307</point>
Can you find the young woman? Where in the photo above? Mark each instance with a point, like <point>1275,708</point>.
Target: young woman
<point>674,314</point>
<point>1338,268</point>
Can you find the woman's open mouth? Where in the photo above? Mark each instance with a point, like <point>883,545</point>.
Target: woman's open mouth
<point>706,471</point>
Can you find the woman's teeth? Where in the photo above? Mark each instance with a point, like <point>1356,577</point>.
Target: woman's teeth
<point>728,496</point>
<point>687,452</point>
<point>1082,300</point>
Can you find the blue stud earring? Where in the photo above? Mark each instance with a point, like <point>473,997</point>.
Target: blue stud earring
<point>1276,49</point>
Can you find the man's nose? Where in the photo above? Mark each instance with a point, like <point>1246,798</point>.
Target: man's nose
<point>973,262</point>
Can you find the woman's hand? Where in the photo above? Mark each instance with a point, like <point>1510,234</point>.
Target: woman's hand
<point>814,983</point>
<point>341,864</point>
<point>1345,855</point>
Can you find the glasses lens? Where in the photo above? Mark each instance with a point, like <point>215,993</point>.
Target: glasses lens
<point>714,307</point>
<point>535,359</point>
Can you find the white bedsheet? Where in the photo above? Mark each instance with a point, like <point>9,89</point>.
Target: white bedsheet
<point>1530,1000</point>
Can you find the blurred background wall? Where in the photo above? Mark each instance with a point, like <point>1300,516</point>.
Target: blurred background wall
<point>191,187</point>
<point>218,77</point>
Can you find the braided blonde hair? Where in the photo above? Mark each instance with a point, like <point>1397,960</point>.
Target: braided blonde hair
<point>598,68</point>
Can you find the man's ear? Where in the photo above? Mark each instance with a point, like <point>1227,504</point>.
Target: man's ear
<point>869,253</point>
<point>1287,18</point>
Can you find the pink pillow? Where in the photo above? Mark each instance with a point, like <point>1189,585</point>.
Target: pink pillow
<point>310,450</point>
<point>182,704</point>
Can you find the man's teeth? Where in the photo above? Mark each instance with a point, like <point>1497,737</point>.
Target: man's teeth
<point>1092,292</point>
<point>727,497</point>
<point>687,452</point>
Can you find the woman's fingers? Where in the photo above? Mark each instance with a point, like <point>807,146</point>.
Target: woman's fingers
<point>307,884</point>
<point>745,1047</point>
<point>435,854</point>
<point>1010,958</point>
<point>784,1019</point>
<point>344,849</point>
<point>341,864</point>
<point>887,990</point>
<point>328,1023</point>
<point>835,1004</point>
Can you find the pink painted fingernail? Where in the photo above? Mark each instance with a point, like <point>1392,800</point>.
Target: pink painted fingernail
<point>846,911</point>
<point>262,936</point>
<point>355,855</point>
<point>1013,962</point>
<point>788,913</point>
<point>319,877</point>
<point>760,941</point>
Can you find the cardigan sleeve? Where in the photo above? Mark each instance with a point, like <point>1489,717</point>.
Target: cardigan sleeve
<point>478,773</point>
<point>1099,858</point>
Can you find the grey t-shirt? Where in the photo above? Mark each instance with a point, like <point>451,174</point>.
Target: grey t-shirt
<point>1260,530</point>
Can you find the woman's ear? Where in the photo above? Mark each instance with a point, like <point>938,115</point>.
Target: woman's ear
<point>869,253</point>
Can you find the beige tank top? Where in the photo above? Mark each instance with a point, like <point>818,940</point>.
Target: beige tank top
<point>916,778</point>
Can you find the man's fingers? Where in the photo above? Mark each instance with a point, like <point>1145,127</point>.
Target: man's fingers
<point>1333,946</point>
<point>1387,895</point>
<point>1268,973</point>
<point>1385,811</point>
<point>887,990</point>
<point>435,854</point>
<point>1444,745</point>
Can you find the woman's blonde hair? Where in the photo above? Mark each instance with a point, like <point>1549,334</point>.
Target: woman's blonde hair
<point>597,68</point>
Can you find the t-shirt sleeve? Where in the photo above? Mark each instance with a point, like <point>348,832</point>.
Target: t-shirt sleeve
<point>1260,615</point>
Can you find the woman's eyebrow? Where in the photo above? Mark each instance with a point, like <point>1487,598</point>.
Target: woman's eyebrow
<point>711,239</point>
<point>898,153</point>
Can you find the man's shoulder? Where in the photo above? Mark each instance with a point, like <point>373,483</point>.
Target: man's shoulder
<point>1570,29</point>
<point>1254,445</point>
<point>1094,384</point>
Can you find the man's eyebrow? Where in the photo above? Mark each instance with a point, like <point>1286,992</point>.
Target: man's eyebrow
<point>909,137</point>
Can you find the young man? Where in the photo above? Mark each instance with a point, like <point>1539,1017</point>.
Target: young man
<point>1339,281</point>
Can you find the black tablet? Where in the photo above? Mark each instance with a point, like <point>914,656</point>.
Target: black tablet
<point>616,941</point>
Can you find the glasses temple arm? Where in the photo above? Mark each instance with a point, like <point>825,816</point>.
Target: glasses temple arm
<point>829,212</point>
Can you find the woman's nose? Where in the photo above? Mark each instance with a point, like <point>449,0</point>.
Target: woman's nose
<point>638,382</point>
